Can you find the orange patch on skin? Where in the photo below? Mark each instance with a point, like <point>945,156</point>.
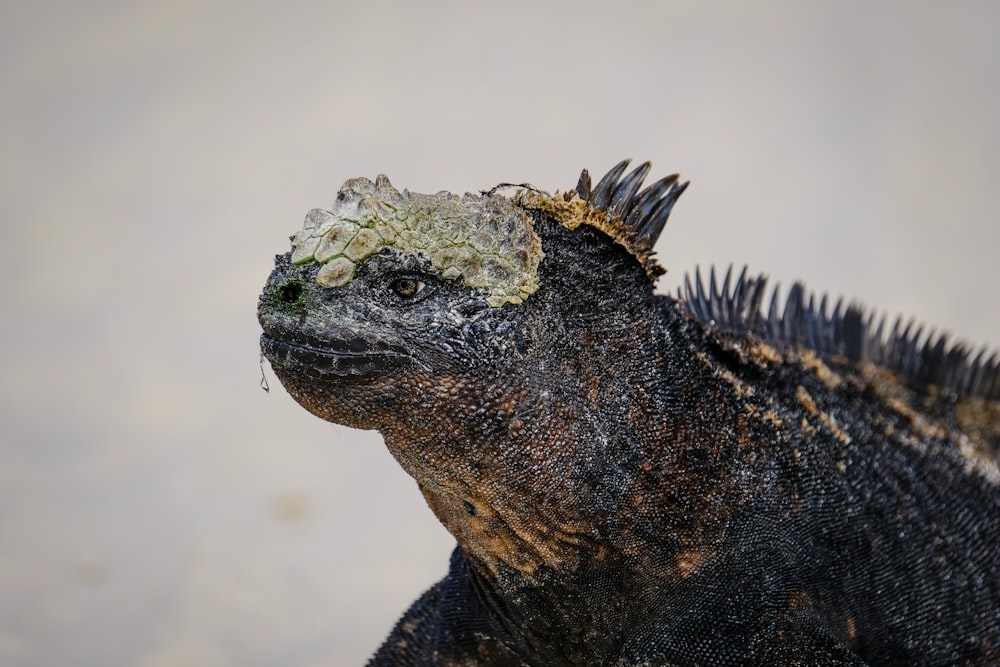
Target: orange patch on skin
<point>978,458</point>
<point>832,426</point>
<point>799,600</point>
<point>979,418</point>
<point>742,388</point>
<point>769,416</point>
<point>773,417</point>
<point>687,562</point>
<point>751,350</point>
<point>852,631</point>
<point>742,431</point>
<point>495,539</point>
<point>811,361</point>
<point>766,352</point>
<point>803,397</point>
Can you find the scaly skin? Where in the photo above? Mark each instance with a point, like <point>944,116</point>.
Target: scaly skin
<point>627,484</point>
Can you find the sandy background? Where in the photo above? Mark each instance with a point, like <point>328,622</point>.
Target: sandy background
<point>156,507</point>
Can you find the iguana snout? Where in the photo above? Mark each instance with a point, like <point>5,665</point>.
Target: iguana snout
<point>317,332</point>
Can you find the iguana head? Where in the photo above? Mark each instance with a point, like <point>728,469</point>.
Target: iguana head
<point>384,285</point>
<point>495,342</point>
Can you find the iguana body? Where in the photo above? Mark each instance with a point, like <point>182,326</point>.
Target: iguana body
<point>636,479</point>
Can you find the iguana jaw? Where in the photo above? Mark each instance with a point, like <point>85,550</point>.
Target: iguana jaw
<point>336,358</point>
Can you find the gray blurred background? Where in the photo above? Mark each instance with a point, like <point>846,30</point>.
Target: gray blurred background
<point>157,508</point>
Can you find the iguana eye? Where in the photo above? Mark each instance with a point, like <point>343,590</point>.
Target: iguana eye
<point>407,287</point>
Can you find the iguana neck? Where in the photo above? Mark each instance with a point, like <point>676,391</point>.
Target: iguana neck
<point>558,467</point>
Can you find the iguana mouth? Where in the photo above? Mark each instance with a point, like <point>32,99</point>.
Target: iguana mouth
<point>342,358</point>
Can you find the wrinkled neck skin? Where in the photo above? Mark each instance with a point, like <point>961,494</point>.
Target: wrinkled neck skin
<point>578,464</point>
<point>531,474</point>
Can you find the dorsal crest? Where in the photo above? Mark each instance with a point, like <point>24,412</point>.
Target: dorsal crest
<point>851,332</point>
<point>633,218</point>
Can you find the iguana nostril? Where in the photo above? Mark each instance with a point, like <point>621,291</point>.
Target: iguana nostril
<point>289,292</point>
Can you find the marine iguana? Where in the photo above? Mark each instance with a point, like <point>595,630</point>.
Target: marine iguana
<point>635,478</point>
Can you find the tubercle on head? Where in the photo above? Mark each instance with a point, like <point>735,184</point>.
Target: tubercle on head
<point>486,240</point>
